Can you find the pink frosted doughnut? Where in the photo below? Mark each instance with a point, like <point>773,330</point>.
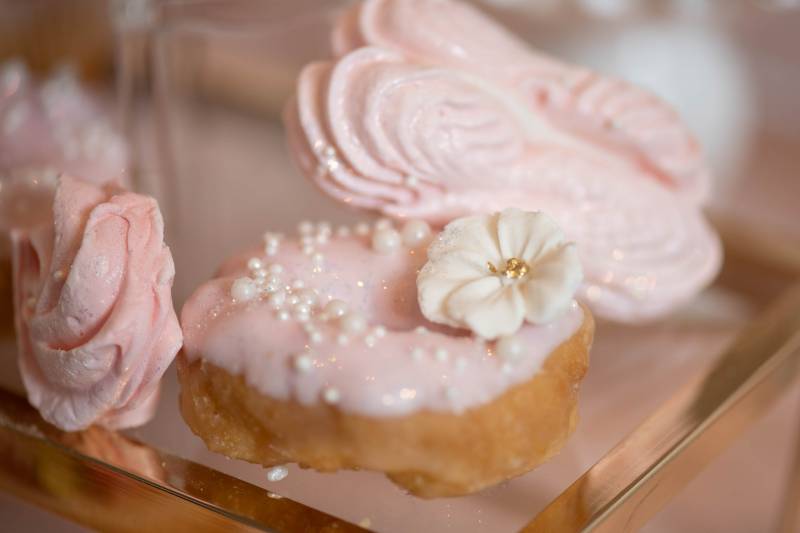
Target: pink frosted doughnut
<point>315,350</point>
<point>95,324</point>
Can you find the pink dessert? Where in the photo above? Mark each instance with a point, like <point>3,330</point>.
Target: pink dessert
<point>276,319</point>
<point>450,362</point>
<point>47,128</point>
<point>431,110</point>
<point>95,323</point>
<point>56,125</point>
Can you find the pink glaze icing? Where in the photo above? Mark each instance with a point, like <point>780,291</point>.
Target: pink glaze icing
<point>382,131</point>
<point>375,373</point>
<point>95,322</point>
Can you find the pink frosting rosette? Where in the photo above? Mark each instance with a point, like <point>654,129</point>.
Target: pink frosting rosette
<point>95,323</point>
<point>430,110</point>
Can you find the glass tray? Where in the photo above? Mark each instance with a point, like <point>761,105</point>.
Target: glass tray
<point>677,394</point>
<point>201,86</point>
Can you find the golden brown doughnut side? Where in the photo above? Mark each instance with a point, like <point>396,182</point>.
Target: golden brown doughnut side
<point>431,454</point>
<point>6,296</point>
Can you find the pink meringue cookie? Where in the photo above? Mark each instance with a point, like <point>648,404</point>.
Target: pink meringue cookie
<point>95,324</point>
<point>607,112</point>
<point>381,131</point>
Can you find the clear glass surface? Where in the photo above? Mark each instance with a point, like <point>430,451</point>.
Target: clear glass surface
<point>203,85</point>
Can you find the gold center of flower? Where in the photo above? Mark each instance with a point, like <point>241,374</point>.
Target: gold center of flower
<point>515,268</point>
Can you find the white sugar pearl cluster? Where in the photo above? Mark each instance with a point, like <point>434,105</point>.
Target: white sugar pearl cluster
<point>312,236</point>
<point>510,349</point>
<point>386,239</point>
<point>272,242</point>
<point>263,281</point>
<point>328,158</point>
<point>348,325</point>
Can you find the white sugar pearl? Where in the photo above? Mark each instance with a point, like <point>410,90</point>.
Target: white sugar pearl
<point>277,473</point>
<point>353,322</point>
<point>415,232</point>
<point>293,299</point>
<point>342,339</point>
<point>298,284</point>
<point>255,264</point>
<point>510,347</point>
<point>283,315</point>
<point>335,309</point>
<point>420,330</point>
<point>370,340</point>
<point>383,223</point>
<point>362,229</point>
<point>385,240</point>
<point>260,273</point>
<point>308,296</point>
<point>417,354</point>
<point>303,363</point>
<point>441,355</point>
<point>302,309</point>
<point>305,227</point>
<point>318,258</point>
<point>315,336</point>
<point>276,299</point>
<point>379,332</point>
<point>331,395</point>
<point>243,290</point>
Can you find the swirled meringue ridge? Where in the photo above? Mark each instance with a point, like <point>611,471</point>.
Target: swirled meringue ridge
<point>608,112</point>
<point>95,322</point>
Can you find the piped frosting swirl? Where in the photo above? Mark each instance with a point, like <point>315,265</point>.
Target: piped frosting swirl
<point>95,323</point>
<point>432,111</point>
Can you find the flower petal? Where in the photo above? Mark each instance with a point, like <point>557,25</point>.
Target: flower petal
<point>476,234</point>
<point>487,307</point>
<point>527,235</point>
<point>439,278</point>
<point>551,284</point>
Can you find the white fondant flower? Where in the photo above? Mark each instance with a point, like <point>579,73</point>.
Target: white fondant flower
<point>490,273</point>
